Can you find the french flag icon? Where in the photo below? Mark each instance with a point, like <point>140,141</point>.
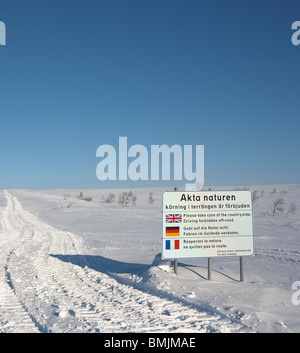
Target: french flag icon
<point>172,244</point>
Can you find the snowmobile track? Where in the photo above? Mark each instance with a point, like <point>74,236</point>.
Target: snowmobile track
<point>45,294</point>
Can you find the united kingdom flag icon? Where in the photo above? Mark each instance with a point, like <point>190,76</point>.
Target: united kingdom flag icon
<point>174,218</point>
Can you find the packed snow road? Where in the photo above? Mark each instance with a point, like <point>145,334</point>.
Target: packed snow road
<point>42,293</point>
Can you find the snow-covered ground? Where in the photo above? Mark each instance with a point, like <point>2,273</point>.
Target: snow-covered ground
<point>72,265</point>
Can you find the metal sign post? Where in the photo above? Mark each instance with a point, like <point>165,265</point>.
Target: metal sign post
<point>175,266</point>
<point>175,260</point>
<point>242,277</point>
<point>209,269</point>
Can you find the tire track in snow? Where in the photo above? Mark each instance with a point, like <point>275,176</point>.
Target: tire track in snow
<point>58,296</point>
<point>14,317</point>
<point>286,255</point>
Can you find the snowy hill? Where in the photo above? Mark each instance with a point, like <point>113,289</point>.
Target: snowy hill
<point>89,261</point>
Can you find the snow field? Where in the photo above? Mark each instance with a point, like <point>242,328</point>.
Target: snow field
<point>69,265</point>
<point>47,294</point>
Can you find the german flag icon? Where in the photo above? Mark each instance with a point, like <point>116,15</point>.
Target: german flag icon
<point>172,231</point>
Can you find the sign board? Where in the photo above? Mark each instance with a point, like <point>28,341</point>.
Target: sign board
<point>207,224</point>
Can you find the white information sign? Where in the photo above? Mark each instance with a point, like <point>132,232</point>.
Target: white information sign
<point>207,224</point>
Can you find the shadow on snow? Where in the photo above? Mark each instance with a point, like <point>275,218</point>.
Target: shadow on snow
<point>116,270</point>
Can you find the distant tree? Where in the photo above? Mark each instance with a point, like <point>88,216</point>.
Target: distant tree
<point>134,199</point>
<point>292,209</point>
<point>110,198</point>
<point>277,206</point>
<point>255,196</point>
<point>126,198</point>
<point>151,199</point>
<point>122,199</point>
<point>87,198</point>
<point>131,197</point>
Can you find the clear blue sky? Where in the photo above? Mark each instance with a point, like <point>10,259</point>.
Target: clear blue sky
<point>78,74</point>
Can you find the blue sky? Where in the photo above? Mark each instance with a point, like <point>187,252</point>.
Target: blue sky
<point>78,74</point>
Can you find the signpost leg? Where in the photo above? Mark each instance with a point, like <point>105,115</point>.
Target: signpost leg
<point>242,278</point>
<point>175,266</point>
<point>209,269</point>
<point>175,260</point>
